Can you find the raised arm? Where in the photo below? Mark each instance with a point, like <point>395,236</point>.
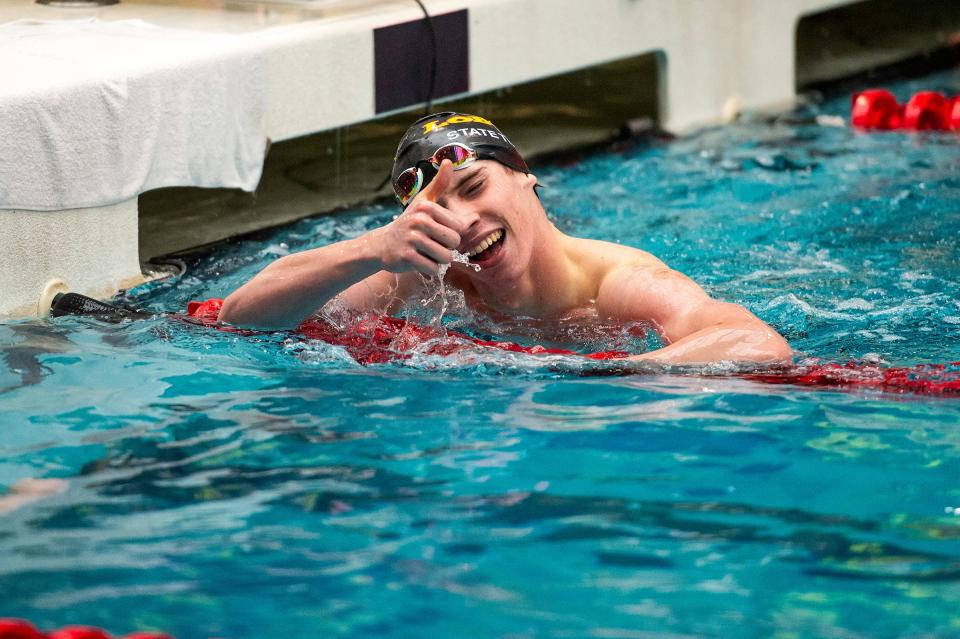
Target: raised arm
<point>363,270</point>
<point>697,328</point>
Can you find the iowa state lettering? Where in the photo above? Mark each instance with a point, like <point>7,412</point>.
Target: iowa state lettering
<point>457,119</point>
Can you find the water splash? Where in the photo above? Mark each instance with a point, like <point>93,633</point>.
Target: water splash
<point>441,292</point>
<point>462,259</point>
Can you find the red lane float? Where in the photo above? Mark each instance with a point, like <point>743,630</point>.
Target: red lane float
<point>379,340</point>
<point>18,629</point>
<point>927,111</point>
<point>878,109</point>
<point>78,632</point>
<point>875,109</point>
<point>22,629</point>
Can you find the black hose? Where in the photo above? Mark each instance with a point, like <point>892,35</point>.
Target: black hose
<point>76,304</point>
<point>433,75</point>
<point>433,57</point>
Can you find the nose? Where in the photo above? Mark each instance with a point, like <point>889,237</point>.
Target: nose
<point>469,219</point>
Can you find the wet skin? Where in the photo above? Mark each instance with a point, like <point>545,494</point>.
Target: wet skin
<point>532,270</point>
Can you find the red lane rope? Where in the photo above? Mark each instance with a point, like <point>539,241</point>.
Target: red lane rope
<point>379,340</point>
<point>923,379</point>
<point>924,111</point>
<point>22,629</point>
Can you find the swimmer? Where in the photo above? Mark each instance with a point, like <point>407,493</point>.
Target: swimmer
<point>464,187</point>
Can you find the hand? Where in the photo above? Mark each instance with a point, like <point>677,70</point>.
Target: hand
<point>425,234</point>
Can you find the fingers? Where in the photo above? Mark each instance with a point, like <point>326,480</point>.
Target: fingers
<point>440,216</point>
<point>439,185</point>
<point>431,200</point>
<point>426,267</point>
<point>430,249</point>
<point>426,234</point>
<point>423,255</point>
<point>418,241</point>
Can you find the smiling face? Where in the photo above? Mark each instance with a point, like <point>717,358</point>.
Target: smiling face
<point>505,219</point>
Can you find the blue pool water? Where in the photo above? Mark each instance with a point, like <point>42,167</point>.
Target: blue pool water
<point>244,487</point>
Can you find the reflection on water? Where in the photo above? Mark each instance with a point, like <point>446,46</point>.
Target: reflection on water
<point>24,343</point>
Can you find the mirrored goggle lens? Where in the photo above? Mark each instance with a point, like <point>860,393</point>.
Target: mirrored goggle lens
<point>408,185</point>
<point>458,155</point>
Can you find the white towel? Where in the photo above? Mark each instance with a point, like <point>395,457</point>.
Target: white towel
<point>96,112</point>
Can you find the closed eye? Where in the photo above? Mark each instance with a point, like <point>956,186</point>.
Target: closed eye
<point>474,188</point>
<point>472,183</point>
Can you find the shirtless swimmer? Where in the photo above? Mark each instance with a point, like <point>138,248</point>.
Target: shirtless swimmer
<point>465,187</point>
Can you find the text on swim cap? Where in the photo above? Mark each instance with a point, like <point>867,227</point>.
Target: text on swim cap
<point>453,134</point>
<point>456,119</point>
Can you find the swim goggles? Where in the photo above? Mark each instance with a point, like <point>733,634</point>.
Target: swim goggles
<point>412,180</point>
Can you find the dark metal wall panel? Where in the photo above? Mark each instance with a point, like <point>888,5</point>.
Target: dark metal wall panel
<point>402,60</point>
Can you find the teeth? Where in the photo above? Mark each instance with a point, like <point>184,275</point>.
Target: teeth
<point>485,244</point>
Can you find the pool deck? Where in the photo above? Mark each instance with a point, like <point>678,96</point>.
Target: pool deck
<point>317,69</point>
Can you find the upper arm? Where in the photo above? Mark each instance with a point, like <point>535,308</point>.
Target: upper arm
<point>672,301</point>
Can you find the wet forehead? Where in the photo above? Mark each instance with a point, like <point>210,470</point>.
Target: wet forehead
<point>465,177</point>
<point>477,169</point>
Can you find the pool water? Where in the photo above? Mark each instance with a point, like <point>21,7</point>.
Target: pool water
<point>219,485</point>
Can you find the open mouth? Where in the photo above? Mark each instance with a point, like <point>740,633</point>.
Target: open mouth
<point>487,248</point>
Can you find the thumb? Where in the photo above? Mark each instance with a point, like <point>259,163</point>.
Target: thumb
<point>440,183</point>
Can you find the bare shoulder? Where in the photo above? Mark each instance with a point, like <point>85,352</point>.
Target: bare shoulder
<point>637,285</point>
<point>605,263</point>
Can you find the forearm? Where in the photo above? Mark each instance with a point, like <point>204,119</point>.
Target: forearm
<point>293,287</point>
<point>736,343</point>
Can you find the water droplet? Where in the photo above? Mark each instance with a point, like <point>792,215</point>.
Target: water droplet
<point>462,259</point>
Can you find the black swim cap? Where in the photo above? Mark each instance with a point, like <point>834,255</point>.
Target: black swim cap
<point>432,132</point>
